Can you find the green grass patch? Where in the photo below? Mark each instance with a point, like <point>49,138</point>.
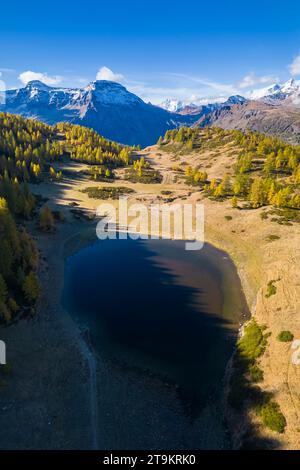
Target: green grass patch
<point>256,374</point>
<point>272,417</point>
<point>285,336</point>
<point>146,176</point>
<point>272,238</point>
<point>263,215</point>
<point>253,342</point>
<point>107,192</point>
<point>245,371</point>
<point>271,289</point>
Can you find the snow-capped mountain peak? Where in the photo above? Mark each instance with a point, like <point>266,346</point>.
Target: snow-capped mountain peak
<point>111,93</point>
<point>235,99</point>
<point>263,92</point>
<point>37,84</point>
<point>106,106</point>
<point>287,93</point>
<point>172,105</point>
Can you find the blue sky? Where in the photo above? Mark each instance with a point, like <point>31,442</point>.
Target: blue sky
<point>158,49</point>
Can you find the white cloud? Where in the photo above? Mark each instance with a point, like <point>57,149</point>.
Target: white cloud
<point>294,67</point>
<point>107,74</point>
<point>182,87</point>
<point>251,79</point>
<point>28,76</point>
<point>6,70</point>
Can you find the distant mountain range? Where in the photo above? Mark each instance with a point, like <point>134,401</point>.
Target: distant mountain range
<point>103,105</point>
<point>274,110</point>
<point>117,114</point>
<point>184,107</point>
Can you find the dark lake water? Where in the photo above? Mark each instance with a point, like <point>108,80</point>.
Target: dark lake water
<point>156,310</point>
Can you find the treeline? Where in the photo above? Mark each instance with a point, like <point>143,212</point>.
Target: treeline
<point>267,170</point>
<point>269,154</point>
<point>86,145</point>
<point>25,146</point>
<point>28,151</point>
<point>19,288</point>
<point>186,135</point>
<point>188,139</point>
<point>258,191</point>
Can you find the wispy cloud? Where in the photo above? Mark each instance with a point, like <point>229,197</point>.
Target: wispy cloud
<point>104,73</point>
<point>28,76</point>
<point>251,80</point>
<point>294,67</point>
<point>186,88</point>
<point>6,70</point>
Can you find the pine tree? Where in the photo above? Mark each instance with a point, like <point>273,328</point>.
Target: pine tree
<point>31,287</point>
<point>234,202</point>
<point>46,222</point>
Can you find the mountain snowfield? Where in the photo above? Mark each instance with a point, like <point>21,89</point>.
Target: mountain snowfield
<point>117,114</point>
<point>288,92</point>
<point>289,89</point>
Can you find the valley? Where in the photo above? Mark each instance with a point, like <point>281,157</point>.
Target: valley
<point>264,247</point>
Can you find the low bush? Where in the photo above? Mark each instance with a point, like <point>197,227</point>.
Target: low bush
<point>272,416</point>
<point>272,238</point>
<point>107,192</point>
<point>271,289</point>
<point>256,374</point>
<point>253,342</point>
<point>285,336</point>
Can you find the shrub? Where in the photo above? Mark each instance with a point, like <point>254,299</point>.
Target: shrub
<point>271,237</point>
<point>256,374</point>
<point>271,289</point>
<point>107,192</point>
<point>31,287</point>
<point>46,219</point>
<point>228,217</point>
<point>253,342</point>
<point>146,176</point>
<point>272,417</point>
<point>285,336</point>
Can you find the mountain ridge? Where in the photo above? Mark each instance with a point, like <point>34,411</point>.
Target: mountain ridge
<point>106,106</point>
<point>119,115</point>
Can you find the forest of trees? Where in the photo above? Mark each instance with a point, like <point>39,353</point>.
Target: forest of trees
<point>26,146</point>
<point>28,152</point>
<point>19,287</point>
<point>86,145</point>
<point>267,170</point>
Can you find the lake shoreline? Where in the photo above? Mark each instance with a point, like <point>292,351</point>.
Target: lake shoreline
<point>63,335</point>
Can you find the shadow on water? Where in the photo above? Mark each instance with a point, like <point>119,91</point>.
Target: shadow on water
<point>140,315</point>
<point>145,319</point>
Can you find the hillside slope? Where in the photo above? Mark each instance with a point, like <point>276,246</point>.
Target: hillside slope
<point>280,121</point>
